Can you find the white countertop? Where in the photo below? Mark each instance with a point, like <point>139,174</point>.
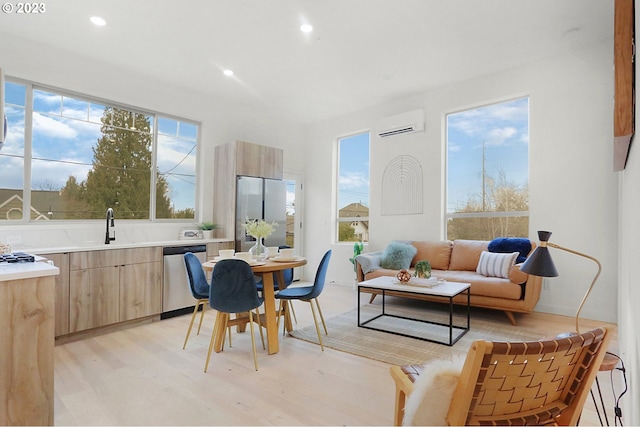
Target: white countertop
<point>26,270</point>
<point>95,246</point>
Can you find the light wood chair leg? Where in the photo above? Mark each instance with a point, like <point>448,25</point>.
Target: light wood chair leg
<point>260,328</point>
<point>290,306</point>
<point>253,340</point>
<point>324,325</point>
<point>278,316</point>
<point>315,322</point>
<point>193,316</point>
<point>373,296</point>
<point>221,317</point>
<point>398,413</point>
<point>204,306</point>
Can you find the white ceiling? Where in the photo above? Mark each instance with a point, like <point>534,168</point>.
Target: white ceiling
<point>361,53</point>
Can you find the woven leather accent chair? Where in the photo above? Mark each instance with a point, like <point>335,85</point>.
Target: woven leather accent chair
<point>542,382</point>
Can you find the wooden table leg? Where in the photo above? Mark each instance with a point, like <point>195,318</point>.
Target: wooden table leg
<point>273,345</point>
<point>287,311</point>
<point>218,331</point>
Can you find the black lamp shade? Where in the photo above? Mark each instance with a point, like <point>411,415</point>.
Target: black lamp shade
<point>540,263</point>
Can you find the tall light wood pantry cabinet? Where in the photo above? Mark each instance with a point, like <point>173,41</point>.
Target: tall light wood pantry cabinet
<point>235,159</point>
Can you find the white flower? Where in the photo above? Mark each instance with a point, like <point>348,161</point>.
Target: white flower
<point>259,228</point>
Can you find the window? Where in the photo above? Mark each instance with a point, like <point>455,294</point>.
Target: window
<point>84,156</point>
<point>488,171</point>
<point>353,189</point>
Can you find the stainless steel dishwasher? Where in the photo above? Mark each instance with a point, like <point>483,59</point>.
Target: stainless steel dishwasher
<point>176,293</point>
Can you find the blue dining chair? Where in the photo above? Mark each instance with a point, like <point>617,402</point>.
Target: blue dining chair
<point>199,289</point>
<point>309,294</point>
<point>233,290</point>
<point>288,280</point>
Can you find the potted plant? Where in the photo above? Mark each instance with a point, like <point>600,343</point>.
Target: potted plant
<point>207,229</point>
<point>423,269</point>
<point>357,250</point>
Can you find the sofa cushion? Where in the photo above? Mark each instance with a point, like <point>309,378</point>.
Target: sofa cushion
<point>437,253</point>
<point>495,287</point>
<point>496,264</point>
<point>466,254</point>
<point>397,256</point>
<point>511,244</point>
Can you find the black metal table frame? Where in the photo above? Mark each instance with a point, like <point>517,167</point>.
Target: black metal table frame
<point>398,292</point>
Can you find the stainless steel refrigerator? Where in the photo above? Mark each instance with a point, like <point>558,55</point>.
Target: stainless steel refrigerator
<point>260,198</point>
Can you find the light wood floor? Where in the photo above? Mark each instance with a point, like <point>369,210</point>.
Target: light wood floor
<point>141,376</point>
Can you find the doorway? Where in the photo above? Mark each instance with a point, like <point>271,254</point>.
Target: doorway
<point>294,215</point>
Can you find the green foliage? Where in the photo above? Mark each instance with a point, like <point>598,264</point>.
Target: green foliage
<point>357,250</point>
<point>121,173</point>
<point>346,233</point>
<point>207,225</point>
<point>423,269</point>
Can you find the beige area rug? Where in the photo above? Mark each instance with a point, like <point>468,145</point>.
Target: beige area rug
<point>345,335</point>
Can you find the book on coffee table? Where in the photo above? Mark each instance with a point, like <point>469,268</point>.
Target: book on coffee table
<point>416,281</point>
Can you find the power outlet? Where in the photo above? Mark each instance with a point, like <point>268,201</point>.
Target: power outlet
<point>546,284</point>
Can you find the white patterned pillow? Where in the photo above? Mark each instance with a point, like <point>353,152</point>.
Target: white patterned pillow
<point>496,264</point>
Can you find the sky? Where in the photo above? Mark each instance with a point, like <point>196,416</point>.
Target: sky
<point>503,130</point>
<point>65,129</point>
<point>353,175</point>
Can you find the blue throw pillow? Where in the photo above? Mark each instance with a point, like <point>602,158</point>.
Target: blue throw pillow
<point>397,256</point>
<point>511,244</point>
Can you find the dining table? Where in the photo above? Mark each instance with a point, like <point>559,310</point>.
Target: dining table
<point>264,269</point>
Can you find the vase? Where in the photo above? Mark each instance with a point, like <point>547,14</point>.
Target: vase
<point>259,251</point>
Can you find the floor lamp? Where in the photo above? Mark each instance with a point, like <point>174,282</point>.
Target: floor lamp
<point>539,263</point>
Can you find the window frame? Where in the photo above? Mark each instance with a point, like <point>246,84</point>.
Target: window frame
<point>154,115</point>
<point>481,214</point>
<point>351,219</point>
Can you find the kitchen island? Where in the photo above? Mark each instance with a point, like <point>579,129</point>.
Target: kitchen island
<point>27,335</point>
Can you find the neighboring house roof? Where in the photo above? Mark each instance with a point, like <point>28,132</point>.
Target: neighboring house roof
<point>11,204</point>
<point>354,210</point>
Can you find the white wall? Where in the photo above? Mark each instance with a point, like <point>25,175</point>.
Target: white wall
<point>629,291</point>
<point>222,121</point>
<point>573,190</point>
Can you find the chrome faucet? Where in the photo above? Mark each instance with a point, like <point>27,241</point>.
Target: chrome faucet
<point>108,238</point>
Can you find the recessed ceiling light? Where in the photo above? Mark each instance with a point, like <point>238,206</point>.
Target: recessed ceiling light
<point>228,73</point>
<point>96,20</point>
<point>306,28</point>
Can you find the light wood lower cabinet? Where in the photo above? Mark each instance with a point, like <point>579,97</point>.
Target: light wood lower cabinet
<point>140,290</point>
<point>111,286</point>
<point>61,260</point>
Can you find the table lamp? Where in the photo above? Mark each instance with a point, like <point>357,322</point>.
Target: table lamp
<point>539,263</point>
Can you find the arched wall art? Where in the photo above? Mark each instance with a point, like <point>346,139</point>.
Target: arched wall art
<point>402,187</point>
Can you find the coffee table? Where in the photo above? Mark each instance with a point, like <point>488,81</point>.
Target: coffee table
<point>446,290</point>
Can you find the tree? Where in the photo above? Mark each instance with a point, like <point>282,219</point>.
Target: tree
<point>500,196</point>
<point>120,177</point>
<point>73,199</point>
<point>346,232</point>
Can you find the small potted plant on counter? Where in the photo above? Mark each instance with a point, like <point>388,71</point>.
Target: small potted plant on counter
<point>423,269</point>
<point>207,229</point>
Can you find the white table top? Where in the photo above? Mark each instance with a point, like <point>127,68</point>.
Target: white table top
<point>446,289</point>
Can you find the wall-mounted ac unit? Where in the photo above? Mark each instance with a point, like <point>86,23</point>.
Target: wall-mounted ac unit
<point>409,122</point>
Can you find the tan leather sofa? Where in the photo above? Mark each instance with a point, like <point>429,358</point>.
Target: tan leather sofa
<point>457,261</point>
